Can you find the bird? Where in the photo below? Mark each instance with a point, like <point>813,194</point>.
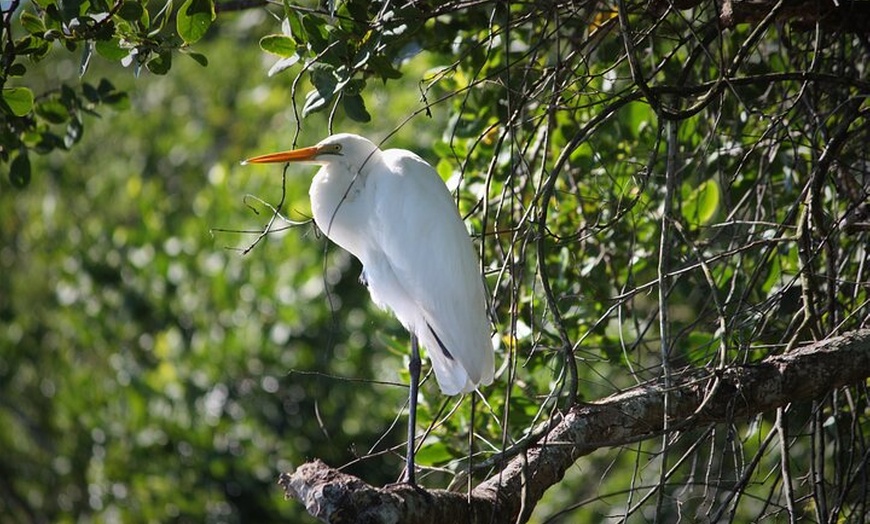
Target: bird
<point>392,211</point>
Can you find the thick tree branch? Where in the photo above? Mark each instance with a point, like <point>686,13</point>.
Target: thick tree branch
<point>694,400</point>
<point>847,16</point>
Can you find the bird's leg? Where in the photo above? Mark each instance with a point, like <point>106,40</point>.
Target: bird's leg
<point>414,369</point>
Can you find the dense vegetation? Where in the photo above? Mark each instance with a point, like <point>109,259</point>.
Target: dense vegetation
<point>651,189</point>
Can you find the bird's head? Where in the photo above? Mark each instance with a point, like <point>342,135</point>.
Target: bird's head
<point>351,150</point>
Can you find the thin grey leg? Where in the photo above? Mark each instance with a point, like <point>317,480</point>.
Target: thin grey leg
<point>414,369</point>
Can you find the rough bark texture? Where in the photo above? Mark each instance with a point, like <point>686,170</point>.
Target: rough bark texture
<point>846,16</point>
<point>696,399</point>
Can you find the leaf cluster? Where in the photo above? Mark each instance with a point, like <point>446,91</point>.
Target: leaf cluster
<point>128,32</point>
<point>342,49</point>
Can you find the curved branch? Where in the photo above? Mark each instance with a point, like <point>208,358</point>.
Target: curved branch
<point>696,398</point>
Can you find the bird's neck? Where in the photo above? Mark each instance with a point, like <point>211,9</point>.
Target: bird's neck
<point>336,203</point>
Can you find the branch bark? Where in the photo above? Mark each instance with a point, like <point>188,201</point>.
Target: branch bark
<point>696,398</point>
<point>845,16</point>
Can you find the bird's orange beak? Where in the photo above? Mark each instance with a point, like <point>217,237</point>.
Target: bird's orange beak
<point>296,155</point>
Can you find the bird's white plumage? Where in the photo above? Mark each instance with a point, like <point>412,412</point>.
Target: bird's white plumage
<point>393,212</point>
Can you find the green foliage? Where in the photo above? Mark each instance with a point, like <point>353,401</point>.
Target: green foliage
<point>700,204</point>
<point>18,100</point>
<point>193,20</point>
<point>341,50</point>
<point>125,32</point>
<point>137,386</point>
<point>155,368</point>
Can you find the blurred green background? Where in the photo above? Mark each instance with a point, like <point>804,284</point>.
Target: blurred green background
<point>149,369</point>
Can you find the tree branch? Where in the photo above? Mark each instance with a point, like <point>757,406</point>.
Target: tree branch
<point>696,398</point>
<point>846,16</point>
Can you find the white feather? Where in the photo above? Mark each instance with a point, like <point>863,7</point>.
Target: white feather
<point>392,211</point>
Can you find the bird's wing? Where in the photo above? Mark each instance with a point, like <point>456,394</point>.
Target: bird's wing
<point>426,244</point>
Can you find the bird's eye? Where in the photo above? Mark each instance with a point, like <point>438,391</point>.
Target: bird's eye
<point>329,149</point>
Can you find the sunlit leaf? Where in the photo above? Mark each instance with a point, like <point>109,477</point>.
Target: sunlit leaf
<point>701,203</point>
<point>111,49</point>
<point>444,169</point>
<point>314,101</point>
<point>194,19</point>
<point>292,25</point>
<point>19,100</point>
<point>434,453</point>
<point>283,64</point>
<point>280,45</point>
<point>32,23</point>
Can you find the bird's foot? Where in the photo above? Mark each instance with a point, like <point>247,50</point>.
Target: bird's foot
<point>407,481</point>
<point>403,485</point>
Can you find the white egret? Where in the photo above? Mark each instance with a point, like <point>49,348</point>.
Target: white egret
<point>392,211</point>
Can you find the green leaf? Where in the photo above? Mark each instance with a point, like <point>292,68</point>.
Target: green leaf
<point>434,453</point>
<point>19,100</point>
<point>199,58</point>
<point>30,45</point>
<point>323,78</point>
<point>353,86</point>
<point>52,14</point>
<point>130,11</point>
<point>701,203</point>
<point>19,170</point>
<point>160,64</point>
<point>355,108</point>
<point>99,6</point>
<point>118,100</point>
<point>315,32</point>
<point>91,93</point>
<point>357,11</point>
<point>283,64</point>
<point>32,23</point>
<point>108,94</point>
<point>293,24</point>
<point>53,111</point>
<point>638,117</point>
<point>444,169</point>
<point>17,70</point>
<point>106,87</point>
<point>71,9</point>
<point>111,49</point>
<point>194,19</point>
<point>280,45</point>
<point>383,68</point>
